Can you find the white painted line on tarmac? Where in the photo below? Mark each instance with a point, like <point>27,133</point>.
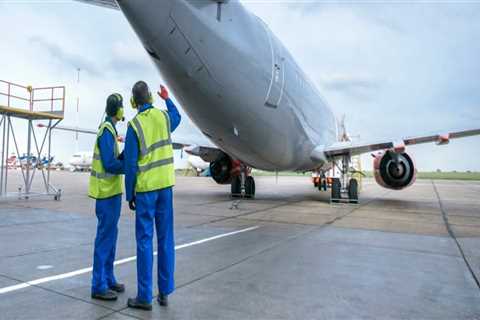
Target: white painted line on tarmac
<point>118,262</point>
<point>44,267</point>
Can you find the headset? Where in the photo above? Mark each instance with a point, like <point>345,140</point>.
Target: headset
<point>120,113</point>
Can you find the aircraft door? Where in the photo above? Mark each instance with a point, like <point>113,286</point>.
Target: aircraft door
<point>277,83</point>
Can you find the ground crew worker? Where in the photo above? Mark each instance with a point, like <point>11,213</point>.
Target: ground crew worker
<point>106,187</point>
<point>149,178</point>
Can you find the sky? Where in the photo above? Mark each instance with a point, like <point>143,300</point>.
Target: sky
<point>394,69</point>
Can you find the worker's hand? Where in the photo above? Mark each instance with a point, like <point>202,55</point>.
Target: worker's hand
<point>132,204</point>
<point>163,93</point>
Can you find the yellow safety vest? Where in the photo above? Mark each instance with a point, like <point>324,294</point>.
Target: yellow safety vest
<point>102,184</point>
<point>155,163</point>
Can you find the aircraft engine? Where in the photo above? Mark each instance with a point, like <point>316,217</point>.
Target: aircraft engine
<point>393,170</point>
<point>224,169</point>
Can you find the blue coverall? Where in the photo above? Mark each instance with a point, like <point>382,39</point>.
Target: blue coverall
<point>151,207</point>
<point>108,214</point>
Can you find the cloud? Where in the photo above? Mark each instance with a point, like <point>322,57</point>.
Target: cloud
<point>358,87</point>
<point>66,58</point>
<point>127,58</point>
<point>350,83</point>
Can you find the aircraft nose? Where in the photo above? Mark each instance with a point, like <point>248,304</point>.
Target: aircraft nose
<point>147,17</point>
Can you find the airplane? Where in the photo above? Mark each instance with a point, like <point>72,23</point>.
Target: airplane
<point>27,160</point>
<point>243,89</point>
<point>81,161</point>
<point>12,161</point>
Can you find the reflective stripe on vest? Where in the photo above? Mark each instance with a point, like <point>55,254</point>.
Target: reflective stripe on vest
<point>144,150</point>
<point>155,164</point>
<point>103,184</point>
<point>103,175</point>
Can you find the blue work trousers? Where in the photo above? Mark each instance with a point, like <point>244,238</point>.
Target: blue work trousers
<point>154,207</point>
<point>108,214</point>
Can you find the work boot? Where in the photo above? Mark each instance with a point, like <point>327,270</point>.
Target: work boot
<point>108,295</point>
<point>118,287</point>
<point>163,299</point>
<point>134,303</point>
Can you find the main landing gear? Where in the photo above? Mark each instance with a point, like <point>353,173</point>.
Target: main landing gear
<point>243,185</point>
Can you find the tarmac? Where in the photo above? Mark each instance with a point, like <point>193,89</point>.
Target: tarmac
<point>288,254</point>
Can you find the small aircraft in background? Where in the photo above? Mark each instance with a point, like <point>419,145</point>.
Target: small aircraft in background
<point>12,161</point>
<point>81,161</point>
<point>25,160</point>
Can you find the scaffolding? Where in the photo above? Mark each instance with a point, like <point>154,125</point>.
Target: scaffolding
<point>28,104</point>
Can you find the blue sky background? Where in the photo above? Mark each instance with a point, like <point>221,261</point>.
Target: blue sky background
<point>394,69</point>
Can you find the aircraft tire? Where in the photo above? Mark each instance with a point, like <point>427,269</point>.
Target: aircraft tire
<point>353,191</point>
<point>336,190</point>
<point>250,187</point>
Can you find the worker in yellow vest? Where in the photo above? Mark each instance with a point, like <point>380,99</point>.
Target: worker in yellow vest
<point>149,178</point>
<point>106,187</point>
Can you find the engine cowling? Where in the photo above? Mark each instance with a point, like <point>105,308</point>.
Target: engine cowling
<point>224,169</point>
<point>393,170</point>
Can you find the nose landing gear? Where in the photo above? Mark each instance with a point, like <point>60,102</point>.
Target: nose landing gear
<point>343,189</point>
<point>348,193</point>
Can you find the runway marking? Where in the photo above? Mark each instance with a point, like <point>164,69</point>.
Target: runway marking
<point>44,267</point>
<point>118,262</point>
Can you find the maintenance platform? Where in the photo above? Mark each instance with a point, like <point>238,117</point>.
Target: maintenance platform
<point>288,254</point>
<point>20,106</point>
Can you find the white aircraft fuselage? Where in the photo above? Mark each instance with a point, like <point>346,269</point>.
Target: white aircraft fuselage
<point>81,160</point>
<point>235,80</point>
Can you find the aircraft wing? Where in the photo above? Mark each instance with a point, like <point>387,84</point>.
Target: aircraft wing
<point>111,4</point>
<point>359,147</point>
<point>73,129</point>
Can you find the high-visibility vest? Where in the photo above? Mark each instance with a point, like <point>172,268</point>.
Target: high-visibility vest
<point>102,184</point>
<point>155,163</point>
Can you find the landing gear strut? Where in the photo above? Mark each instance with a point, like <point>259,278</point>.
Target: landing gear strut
<point>243,185</point>
<point>345,188</point>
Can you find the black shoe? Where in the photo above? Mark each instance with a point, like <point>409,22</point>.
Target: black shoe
<point>118,287</point>
<point>108,295</point>
<point>134,303</point>
<point>163,300</point>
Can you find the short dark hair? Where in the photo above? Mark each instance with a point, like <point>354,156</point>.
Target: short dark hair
<point>141,93</point>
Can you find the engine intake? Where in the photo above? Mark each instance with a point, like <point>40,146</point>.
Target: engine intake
<point>394,170</point>
<point>223,169</point>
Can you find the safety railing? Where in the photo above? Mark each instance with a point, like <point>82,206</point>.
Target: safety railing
<point>44,99</point>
